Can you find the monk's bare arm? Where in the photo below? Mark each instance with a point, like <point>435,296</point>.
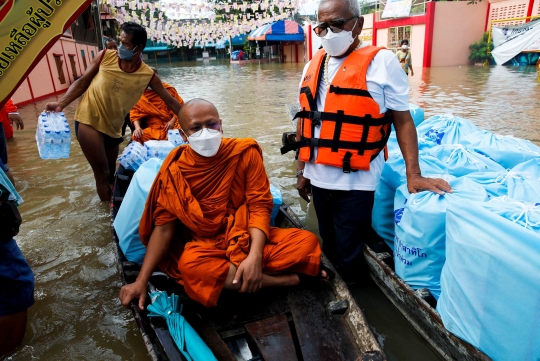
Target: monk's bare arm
<point>78,87</point>
<point>160,90</point>
<point>158,246</point>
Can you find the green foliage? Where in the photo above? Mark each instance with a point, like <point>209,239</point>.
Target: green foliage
<point>479,50</point>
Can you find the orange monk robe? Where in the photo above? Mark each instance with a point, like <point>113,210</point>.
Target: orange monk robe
<point>217,200</point>
<point>153,114</point>
<point>4,120</point>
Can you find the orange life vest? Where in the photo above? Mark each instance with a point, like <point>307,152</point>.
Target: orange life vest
<point>353,131</point>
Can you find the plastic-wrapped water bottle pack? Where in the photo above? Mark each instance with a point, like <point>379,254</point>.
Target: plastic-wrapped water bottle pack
<point>53,136</point>
<point>133,156</point>
<point>175,138</point>
<point>158,148</point>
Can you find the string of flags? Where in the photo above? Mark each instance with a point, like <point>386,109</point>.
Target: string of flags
<point>191,23</point>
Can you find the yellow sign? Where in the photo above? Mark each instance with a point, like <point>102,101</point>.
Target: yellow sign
<point>28,29</point>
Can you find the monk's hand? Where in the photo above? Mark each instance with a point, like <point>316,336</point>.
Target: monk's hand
<point>131,291</point>
<point>250,274</point>
<point>53,107</point>
<point>137,133</point>
<point>170,124</point>
<point>417,183</point>
<point>304,187</point>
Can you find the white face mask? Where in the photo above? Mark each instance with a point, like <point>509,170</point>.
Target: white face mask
<point>337,44</point>
<point>205,142</point>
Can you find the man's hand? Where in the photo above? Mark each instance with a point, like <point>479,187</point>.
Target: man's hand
<point>412,73</point>
<point>53,107</point>
<point>170,124</point>
<point>17,120</point>
<point>418,183</point>
<point>131,291</point>
<point>304,187</point>
<point>137,133</point>
<point>250,274</point>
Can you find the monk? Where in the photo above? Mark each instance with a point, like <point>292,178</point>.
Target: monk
<point>215,193</point>
<point>151,117</point>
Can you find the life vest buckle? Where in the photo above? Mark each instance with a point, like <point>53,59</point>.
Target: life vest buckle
<point>316,118</point>
<point>347,162</point>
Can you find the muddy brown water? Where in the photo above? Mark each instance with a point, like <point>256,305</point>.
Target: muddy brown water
<point>66,230</point>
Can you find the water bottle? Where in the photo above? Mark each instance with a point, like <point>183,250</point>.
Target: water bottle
<point>66,143</point>
<point>47,144</point>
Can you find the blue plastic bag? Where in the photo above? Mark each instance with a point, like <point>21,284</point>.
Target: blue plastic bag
<point>532,167</point>
<point>393,175</point>
<point>506,150</point>
<point>129,215</point>
<point>520,185</point>
<point>461,161</point>
<point>490,283</point>
<point>446,129</point>
<point>417,114</point>
<point>493,182</point>
<point>420,220</point>
<point>278,200</point>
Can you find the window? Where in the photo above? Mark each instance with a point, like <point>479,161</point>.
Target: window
<point>73,66</point>
<point>60,69</point>
<point>92,54</point>
<point>83,59</point>
<point>396,34</point>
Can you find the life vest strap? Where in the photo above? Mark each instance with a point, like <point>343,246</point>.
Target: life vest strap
<point>329,143</point>
<point>317,117</point>
<point>349,91</point>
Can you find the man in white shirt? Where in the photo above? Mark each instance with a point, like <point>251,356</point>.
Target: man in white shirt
<point>340,177</point>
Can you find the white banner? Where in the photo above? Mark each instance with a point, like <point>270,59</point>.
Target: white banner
<point>397,9</point>
<point>512,40</point>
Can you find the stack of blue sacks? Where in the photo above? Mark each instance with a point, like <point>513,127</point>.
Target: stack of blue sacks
<point>476,250</point>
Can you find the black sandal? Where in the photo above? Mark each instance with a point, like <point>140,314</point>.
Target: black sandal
<point>311,280</point>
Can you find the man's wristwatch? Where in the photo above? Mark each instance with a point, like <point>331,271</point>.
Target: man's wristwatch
<point>300,172</point>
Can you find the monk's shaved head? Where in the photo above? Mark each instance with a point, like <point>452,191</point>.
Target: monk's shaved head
<point>197,111</point>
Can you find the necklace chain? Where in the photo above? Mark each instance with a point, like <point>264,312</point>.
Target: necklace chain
<point>327,60</point>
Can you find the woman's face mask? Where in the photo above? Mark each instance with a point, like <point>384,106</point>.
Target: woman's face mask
<point>126,54</point>
<point>205,142</point>
<point>337,44</point>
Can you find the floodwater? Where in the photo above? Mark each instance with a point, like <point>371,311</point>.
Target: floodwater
<point>66,229</point>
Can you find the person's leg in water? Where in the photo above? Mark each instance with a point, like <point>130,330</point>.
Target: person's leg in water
<point>16,296</point>
<point>92,144</point>
<point>112,156</point>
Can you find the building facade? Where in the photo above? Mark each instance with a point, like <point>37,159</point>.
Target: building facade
<point>439,32</point>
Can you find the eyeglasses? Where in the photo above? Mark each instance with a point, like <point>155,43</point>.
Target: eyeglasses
<point>336,27</point>
<point>197,130</point>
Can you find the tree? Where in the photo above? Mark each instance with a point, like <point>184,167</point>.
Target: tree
<point>479,50</point>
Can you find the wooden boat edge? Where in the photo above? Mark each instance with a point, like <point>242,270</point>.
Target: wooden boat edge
<point>363,334</point>
<point>426,321</point>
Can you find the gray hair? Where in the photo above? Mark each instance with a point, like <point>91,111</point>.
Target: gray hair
<point>354,6</point>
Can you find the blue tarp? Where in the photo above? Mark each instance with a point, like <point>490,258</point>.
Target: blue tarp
<point>283,30</point>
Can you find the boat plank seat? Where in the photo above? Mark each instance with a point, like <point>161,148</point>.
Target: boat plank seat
<point>322,336</point>
<point>273,338</point>
<point>207,332</point>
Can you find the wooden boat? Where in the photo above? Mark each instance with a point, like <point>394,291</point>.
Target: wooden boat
<point>317,322</point>
<point>417,306</point>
